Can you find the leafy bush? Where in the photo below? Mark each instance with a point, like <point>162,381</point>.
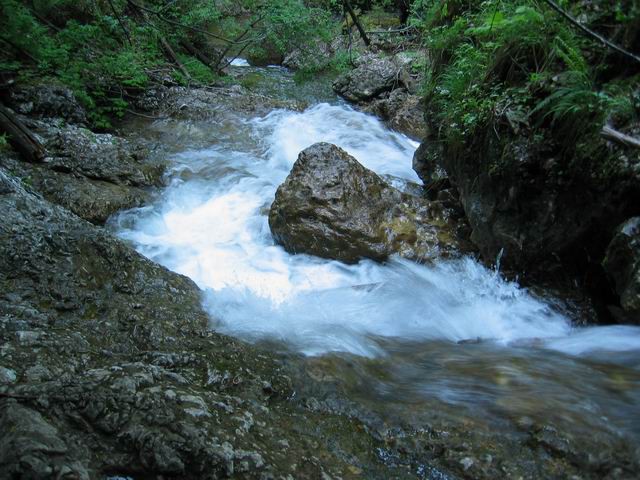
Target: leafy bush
<point>484,52</point>
<point>105,51</point>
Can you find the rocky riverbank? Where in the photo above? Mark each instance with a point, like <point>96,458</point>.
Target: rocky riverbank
<point>109,368</point>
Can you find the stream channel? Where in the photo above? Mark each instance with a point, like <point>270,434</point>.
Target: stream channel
<point>407,340</point>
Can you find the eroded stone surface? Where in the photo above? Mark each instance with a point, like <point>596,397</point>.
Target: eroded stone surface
<point>622,263</point>
<point>333,207</point>
<point>372,76</point>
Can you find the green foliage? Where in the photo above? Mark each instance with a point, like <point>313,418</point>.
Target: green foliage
<point>341,61</point>
<point>105,51</point>
<point>484,52</point>
<point>289,23</point>
<point>90,57</point>
<point>4,142</point>
<point>197,70</point>
<point>574,107</point>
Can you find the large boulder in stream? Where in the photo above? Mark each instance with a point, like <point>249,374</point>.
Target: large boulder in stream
<point>333,207</point>
<point>622,264</point>
<point>372,76</point>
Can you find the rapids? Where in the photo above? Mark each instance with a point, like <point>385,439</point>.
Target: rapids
<point>455,332</point>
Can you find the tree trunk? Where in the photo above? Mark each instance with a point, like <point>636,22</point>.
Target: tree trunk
<point>166,48</point>
<point>173,58</point>
<point>193,51</point>
<point>591,33</point>
<point>354,17</point>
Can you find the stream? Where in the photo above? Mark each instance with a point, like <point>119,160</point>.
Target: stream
<point>402,338</point>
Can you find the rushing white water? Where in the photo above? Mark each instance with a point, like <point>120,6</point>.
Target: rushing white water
<point>211,225</point>
<point>239,62</point>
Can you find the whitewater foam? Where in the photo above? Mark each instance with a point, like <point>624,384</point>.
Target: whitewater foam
<point>211,225</point>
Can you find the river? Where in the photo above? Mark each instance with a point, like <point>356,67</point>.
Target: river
<point>400,337</point>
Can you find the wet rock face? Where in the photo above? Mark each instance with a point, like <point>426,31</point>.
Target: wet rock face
<point>33,448</point>
<point>61,270</point>
<point>100,156</point>
<point>49,101</point>
<point>107,367</point>
<point>426,164</point>
<point>521,198</point>
<point>622,264</point>
<point>94,200</point>
<point>403,112</point>
<point>333,207</point>
<point>93,175</point>
<point>372,76</point>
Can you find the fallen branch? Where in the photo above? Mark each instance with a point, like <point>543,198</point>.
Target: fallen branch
<point>240,52</point>
<point>20,136</point>
<point>166,48</point>
<point>194,52</point>
<point>150,117</point>
<point>591,33</point>
<point>19,49</point>
<point>618,137</point>
<point>223,54</point>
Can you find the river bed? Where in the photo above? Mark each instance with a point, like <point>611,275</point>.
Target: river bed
<point>402,338</point>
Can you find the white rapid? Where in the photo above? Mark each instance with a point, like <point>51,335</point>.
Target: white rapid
<point>239,62</point>
<point>211,225</point>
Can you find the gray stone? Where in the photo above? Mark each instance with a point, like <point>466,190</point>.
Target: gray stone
<point>211,103</point>
<point>372,76</point>
<point>403,111</point>
<point>7,375</point>
<point>622,264</point>
<point>48,101</point>
<point>93,175</point>
<point>331,206</point>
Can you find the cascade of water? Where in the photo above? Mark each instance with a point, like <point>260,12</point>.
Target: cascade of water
<point>213,228</point>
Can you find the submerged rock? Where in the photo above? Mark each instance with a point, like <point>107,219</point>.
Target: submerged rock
<point>622,264</point>
<point>333,207</point>
<point>209,103</point>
